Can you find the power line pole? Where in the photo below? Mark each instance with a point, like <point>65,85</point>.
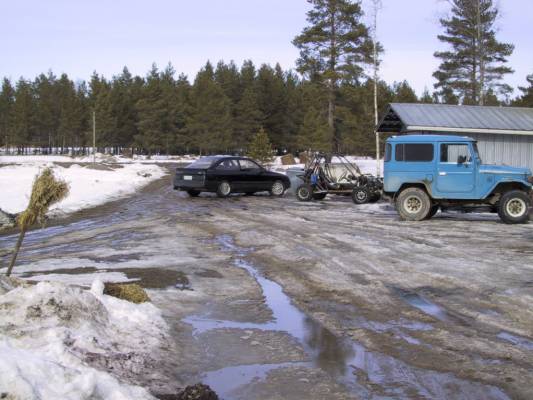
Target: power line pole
<point>376,6</point>
<point>94,137</point>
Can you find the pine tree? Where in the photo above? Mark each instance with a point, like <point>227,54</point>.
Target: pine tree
<point>315,134</point>
<point>260,147</point>
<point>404,93</point>
<point>333,49</point>
<point>476,61</point>
<point>209,122</point>
<point>23,115</point>
<point>7,101</point>
<point>526,100</point>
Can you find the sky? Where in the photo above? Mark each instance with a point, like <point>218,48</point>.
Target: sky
<point>78,37</point>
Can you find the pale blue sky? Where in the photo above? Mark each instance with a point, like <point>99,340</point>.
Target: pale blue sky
<point>78,37</point>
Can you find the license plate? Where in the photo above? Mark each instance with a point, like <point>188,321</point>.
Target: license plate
<point>187,177</point>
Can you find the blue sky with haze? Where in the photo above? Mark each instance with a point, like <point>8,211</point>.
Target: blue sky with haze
<point>78,37</point>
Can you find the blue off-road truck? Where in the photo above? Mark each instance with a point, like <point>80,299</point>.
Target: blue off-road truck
<point>426,172</point>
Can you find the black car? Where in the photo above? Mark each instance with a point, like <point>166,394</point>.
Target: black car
<point>228,174</point>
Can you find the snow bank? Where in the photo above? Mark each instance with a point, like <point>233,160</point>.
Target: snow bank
<point>88,186</point>
<point>57,341</point>
<point>22,159</point>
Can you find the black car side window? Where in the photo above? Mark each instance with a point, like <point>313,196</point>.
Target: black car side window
<point>248,164</point>
<point>228,165</point>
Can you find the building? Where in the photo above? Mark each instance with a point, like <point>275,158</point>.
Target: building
<point>504,134</point>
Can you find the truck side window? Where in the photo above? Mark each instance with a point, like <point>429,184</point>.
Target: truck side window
<point>388,151</point>
<point>414,152</point>
<point>453,153</point>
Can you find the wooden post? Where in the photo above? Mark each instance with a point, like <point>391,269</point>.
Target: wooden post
<point>94,137</point>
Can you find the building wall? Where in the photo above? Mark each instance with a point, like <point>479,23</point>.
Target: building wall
<point>513,150</point>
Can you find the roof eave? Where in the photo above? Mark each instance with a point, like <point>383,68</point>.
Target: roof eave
<point>412,128</point>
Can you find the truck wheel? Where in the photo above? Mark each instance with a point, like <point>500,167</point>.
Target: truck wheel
<point>224,189</point>
<point>193,193</point>
<point>513,207</point>
<point>304,193</point>
<point>277,189</point>
<point>434,209</point>
<point>319,196</point>
<point>360,195</point>
<point>413,204</point>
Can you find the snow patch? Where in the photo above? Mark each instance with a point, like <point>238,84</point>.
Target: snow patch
<point>57,341</point>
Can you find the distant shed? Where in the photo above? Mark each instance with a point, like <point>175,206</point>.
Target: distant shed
<point>504,134</point>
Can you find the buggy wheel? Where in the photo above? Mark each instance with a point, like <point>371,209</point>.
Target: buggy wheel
<point>319,196</point>
<point>304,193</point>
<point>193,193</point>
<point>224,189</point>
<point>360,195</point>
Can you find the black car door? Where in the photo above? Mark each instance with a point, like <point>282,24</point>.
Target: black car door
<point>228,169</point>
<point>253,176</point>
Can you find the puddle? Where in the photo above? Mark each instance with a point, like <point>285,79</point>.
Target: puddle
<point>361,371</point>
<point>425,305</point>
<point>516,340</point>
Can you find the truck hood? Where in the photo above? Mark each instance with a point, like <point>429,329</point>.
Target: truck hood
<point>504,170</point>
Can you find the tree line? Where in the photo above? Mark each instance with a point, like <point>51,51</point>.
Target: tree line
<point>326,104</point>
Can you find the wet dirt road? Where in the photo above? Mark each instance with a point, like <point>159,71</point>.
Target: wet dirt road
<point>276,299</point>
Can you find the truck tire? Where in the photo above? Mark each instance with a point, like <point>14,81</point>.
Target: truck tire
<point>193,193</point>
<point>413,204</point>
<point>224,189</point>
<point>360,195</point>
<point>513,207</point>
<point>304,193</point>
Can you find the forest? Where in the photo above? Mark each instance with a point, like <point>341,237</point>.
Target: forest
<point>326,103</point>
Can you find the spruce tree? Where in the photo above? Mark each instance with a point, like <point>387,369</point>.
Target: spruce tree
<point>260,148</point>
<point>526,99</point>
<point>476,61</point>
<point>23,115</point>
<point>333,49</point>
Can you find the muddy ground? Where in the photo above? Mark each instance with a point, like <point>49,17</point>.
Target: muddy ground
<point>276,299</point>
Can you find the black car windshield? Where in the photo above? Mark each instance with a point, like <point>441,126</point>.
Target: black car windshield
<point>204,162</point>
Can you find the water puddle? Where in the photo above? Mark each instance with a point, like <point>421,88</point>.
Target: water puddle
<point>368,374</point>
<point>425,305</point>
<point>516,340</point>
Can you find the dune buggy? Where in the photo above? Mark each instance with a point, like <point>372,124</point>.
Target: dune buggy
<point>334,174</point>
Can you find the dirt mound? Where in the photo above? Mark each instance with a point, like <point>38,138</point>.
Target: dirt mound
<point>194,392</point>
<point>129,291</point>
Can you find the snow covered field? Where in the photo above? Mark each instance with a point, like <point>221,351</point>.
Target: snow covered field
<point>89,185</point>
<point>54,340</point>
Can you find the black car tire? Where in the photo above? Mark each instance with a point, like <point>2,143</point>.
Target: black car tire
<point>513,207</point>
<point>223,189</point>
<point>319,196</point>
<point>304,193</point>
<point>360,195</point>
<point>413,204</point>
<point>193,193</point>
<point>277,189</point>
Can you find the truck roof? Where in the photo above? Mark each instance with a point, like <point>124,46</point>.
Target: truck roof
<point>429,138</point>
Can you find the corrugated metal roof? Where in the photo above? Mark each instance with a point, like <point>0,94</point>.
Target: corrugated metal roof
<point>402,117</point>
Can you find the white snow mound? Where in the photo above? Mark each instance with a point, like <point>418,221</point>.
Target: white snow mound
<point>58,341</point>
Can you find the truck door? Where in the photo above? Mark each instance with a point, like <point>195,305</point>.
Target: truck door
<point>456,170</point>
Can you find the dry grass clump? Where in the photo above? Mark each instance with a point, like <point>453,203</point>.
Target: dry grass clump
<point>288,159</point>
<point>46,191</point>
<point>126,291</point>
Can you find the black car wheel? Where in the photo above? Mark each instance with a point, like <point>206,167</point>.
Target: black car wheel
<point>277,189</point>
<point>513,207</point>
<point>193,193</point>
<point>224,189</point>
<point>360,195</point>
<point>304,193</point>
